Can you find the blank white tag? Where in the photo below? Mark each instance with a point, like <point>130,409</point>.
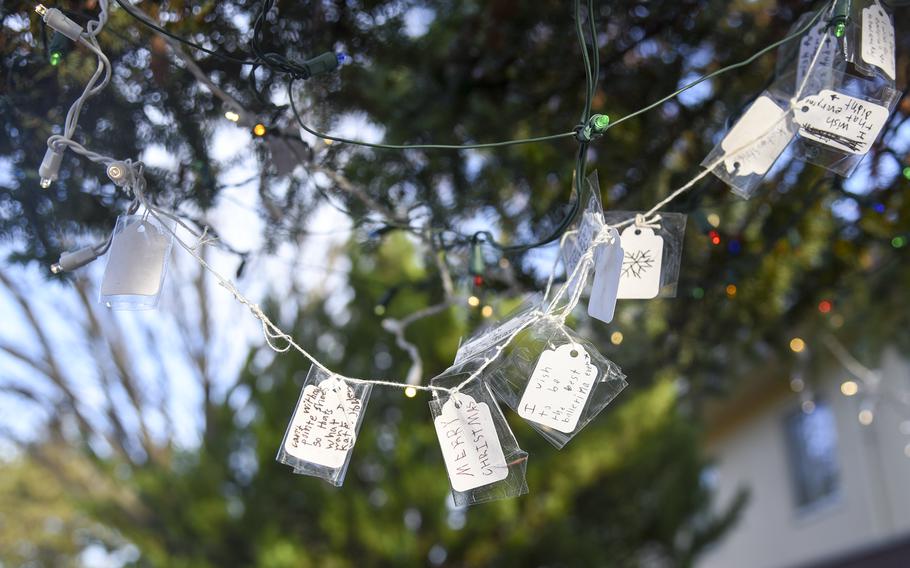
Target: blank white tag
<point>136,262</point>
<point>878,39</point>
<point>607,269</point>
<point>823,70</point>
<point>753,145</point>
<point>470,444</point>
<point>642,256</point>
<point>840,121</point>
<point>559,388</point>
<point>323,428</point>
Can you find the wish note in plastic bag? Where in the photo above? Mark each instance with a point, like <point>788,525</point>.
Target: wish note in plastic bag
<point>873,29</point>
<point>652,253</point>
<point>320,438</point>
<point>556,380</point>
<point>838,126</point>
<point>481,455</point>
<point>747,152</point>
<point>137,263</point>
<point>818,54</point>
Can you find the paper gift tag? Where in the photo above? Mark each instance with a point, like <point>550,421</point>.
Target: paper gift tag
<point>822,74</point>
<point>607,268</point>
<point>843,122</point>
<point>559,388</point>
<point>642,256</point>
<point>323,429</point>
<point>136,262</point>
<point>757,139</point>
<point>470,444</point>
<point>878,39</point>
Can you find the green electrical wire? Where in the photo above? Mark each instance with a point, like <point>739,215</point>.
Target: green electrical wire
<point>721,71</point>
<point>343,140</point>
<point>590,79</point>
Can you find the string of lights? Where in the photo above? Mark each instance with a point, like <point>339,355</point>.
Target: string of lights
<point>590,127</point>
<point>130,176</point>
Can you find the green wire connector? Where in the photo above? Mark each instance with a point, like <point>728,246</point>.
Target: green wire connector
<point>59,46</point>
<point>841,17</point>
<point>595,128</point>
<point>478,264</point>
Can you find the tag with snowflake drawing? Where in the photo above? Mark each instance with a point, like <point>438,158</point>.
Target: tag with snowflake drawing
<point>643,252</point>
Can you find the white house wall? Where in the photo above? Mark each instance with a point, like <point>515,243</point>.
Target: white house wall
<point>874,501</point>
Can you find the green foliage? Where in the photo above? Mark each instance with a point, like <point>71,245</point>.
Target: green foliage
<point>628,488</point>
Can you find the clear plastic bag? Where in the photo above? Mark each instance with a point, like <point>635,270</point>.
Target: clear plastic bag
<point>837,126</point>
<point>871,28</point>
<point>750,148</point>
<point>137,263</point>
<point>651,254</point>
<point>583,230</point>
<point>320,437</point>
<point>795,59</point>
<point>489,338</point>
<point>482,457</point>
<point>556,380</point>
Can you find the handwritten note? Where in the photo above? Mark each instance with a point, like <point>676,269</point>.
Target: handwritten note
<point>559,388</point>
<point>757,139</point>
<point>576,245</point>
<point>470,444</point>
<point>843,122</point>
<point>878,39</point>
<point>821,41</point>
<point>323,428</point>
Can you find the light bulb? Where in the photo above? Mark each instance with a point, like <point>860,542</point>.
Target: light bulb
<point>410,392</point>
<point>849,388</point>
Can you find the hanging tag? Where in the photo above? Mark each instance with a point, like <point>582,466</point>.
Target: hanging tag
<point>559,388</point>
<point>136,263</point>
<point>757,139</point>
<point>843,122</point>
<point>470,444</point>
<point>823,68</point>
<point>878,39</point>
<point>323,429</point>
<point>607,268</point>
<point>642,255</point>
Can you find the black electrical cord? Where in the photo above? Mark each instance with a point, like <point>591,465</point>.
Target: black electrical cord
<point>175,37</point>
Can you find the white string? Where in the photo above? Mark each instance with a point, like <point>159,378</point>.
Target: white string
<point>643,222</point>
<point>271,332</point>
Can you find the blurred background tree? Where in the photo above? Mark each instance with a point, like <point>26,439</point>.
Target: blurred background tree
<point>110,462</point>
